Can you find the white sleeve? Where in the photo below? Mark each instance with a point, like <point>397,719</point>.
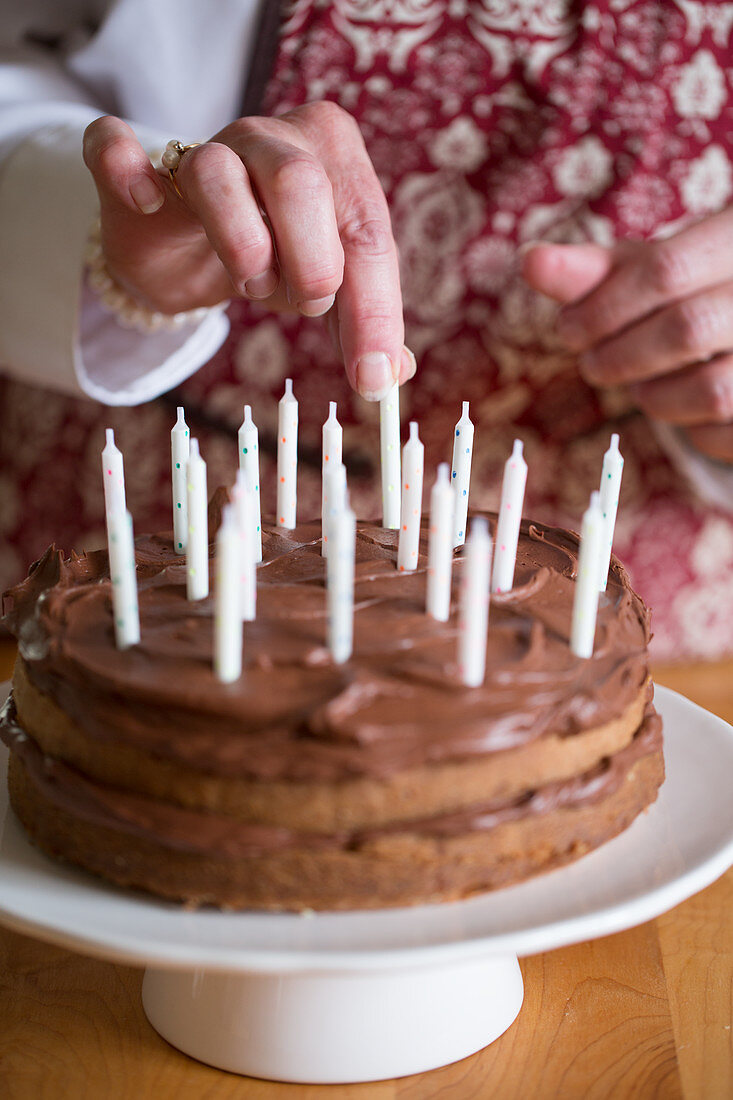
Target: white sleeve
<point>710,480</point>
<point>52,332</point>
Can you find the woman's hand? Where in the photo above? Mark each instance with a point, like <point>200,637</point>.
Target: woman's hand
<point>657,316</point>
<point>287,211</point>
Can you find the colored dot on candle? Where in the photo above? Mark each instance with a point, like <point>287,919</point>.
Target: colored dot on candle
<point>509,506</point>
<point>244,450</point>
<point>503,547</point>
<point>404,526</point>
<point>406,485</point>
<point>186,432</point>
<point>464,492</point>
<point>282,519</point>
<point>109,472</point>
<point>282,479</point>
<point>458,431</point>
<point>192,572</point>
<point>390,488</point>
<point>414,553</point>
<point>460,534</point>
<point>454,473</point>
<point>283,439</point>
<point>468,450</point>
<point>178,505</point>
<point>180,546</point>
<point>609,475</point>
<point>258,526</point>
<point>325,458</point>
<point>402,569</point>
<point>178,465</point>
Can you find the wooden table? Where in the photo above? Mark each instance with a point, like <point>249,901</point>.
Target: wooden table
<point>645,1013</point>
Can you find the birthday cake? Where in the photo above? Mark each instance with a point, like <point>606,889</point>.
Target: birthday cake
<point>307,784</point>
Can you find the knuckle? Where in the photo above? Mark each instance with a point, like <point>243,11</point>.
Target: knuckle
<point>369,235</point>
<point>298,172</point>
<point>668,269</point>
<point>720,397</point>
<point>693,326</point>
<point>204,163</point>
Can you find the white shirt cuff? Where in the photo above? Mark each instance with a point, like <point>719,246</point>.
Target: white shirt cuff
<point>53,332</point>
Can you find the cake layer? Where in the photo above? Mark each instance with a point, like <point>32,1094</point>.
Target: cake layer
<point>323,807</point>
<point>202,858</point>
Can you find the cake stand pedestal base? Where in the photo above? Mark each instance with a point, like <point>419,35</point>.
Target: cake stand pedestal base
<point>336,1027</point>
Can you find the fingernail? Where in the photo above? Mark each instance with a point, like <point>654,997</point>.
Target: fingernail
<point>374,377</point>
<point>316,307</point>
<point>262,285</point>
<point>408,364</point>
<point>146,195</point>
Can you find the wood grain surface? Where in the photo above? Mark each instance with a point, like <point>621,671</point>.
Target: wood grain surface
<point>644,1013</point>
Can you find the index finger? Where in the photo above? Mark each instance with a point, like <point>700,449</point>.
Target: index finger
<point>370,320</point>
<point>648,276</point>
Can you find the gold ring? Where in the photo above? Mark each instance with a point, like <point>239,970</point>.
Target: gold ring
<point>171,159</point>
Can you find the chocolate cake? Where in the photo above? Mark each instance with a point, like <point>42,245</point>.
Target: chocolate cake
<point>383,781</point>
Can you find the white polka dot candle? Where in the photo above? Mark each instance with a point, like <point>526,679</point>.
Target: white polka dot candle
<point>413,458</point>
<point>340,584</point>
<point>613,468</point>
<point>585,603</point>
<point>121,547</point>
<point>440,546</point>
<point>227,619</point>
<point>180,447</point>
<point>287,457</point>
<point>336,497</point>
<point>389,442</point>
<point>473,622</point>
<point>243,501</point>
<point>249,460</point>
<point>197,543</point>
<point>332,437</point>
<point>461,473</point>
<point>509,520</point>
<point>113,476</point>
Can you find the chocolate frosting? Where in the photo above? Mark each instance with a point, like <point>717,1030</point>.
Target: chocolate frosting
<point>294,714</point>
<point>220,837</point>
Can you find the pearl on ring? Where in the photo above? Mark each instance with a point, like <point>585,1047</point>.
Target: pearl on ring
<point>172,156</point>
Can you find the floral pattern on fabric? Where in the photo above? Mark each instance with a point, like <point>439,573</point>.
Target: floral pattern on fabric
<point>490,123</point>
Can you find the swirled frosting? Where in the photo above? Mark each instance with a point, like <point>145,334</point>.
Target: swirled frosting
<point>296,715</point>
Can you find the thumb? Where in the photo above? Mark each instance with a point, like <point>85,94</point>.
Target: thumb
<point>121,168</point>
<point>566,272</point>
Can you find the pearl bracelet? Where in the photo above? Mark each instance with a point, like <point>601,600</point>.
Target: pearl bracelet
<point>128,311</point>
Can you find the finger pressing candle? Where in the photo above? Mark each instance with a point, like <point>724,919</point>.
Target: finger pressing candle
<point>509,520</point>
<point>332,437</point>
<point>461,473</point>
<point>340,584</point>
<point>413,456</point>
<point>197,543</point>
<point>287,457</point>
<point>440,546</point>
<point>249,461</point>
<point>585,602</point>
<point>389,443</point>
<point>613,468</point>
<point>227,600</point>
<point>473,622</point>
<point>180,447</point>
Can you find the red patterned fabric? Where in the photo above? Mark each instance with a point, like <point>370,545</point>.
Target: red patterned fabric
<point>490,123</point>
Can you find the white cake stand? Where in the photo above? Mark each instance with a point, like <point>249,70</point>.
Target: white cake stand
<point>342,997</point>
